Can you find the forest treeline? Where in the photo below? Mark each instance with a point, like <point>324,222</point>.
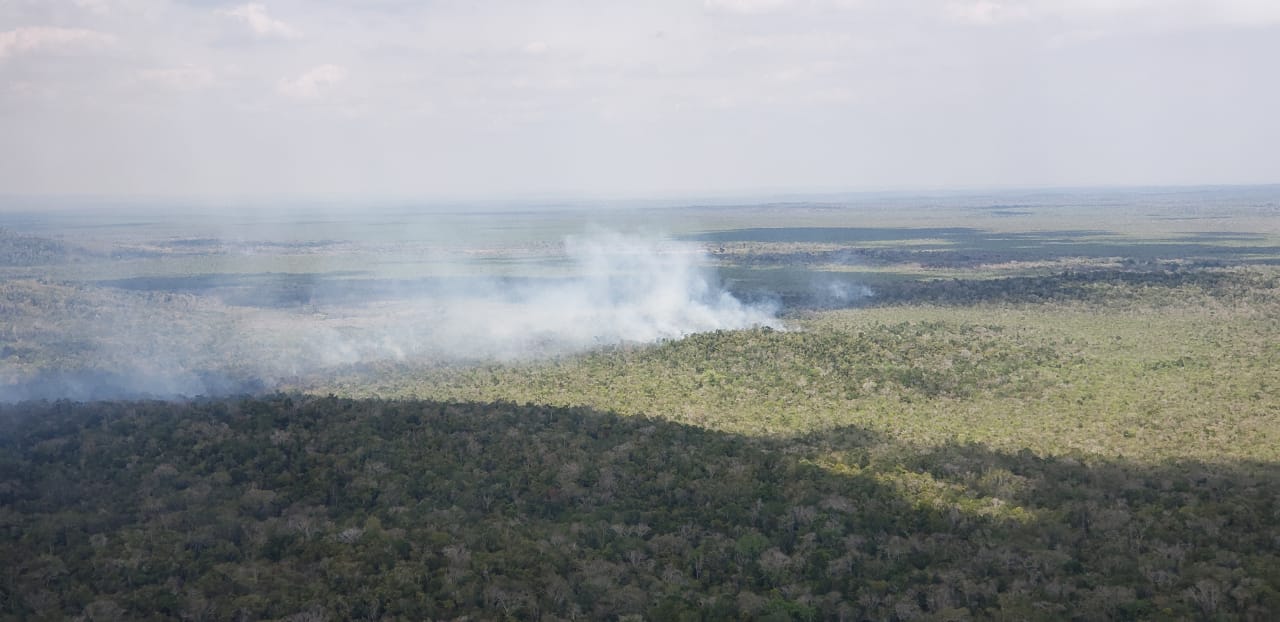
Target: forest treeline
<point>27,250</point>
<point>310,508</point>
<point>1163,286</point>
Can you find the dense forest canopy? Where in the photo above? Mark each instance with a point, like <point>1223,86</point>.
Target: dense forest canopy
<point>297,507</point>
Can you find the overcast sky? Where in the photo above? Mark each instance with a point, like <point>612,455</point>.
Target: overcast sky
<point>653,98</point>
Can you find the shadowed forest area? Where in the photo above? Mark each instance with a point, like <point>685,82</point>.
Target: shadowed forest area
<point>296,507</point>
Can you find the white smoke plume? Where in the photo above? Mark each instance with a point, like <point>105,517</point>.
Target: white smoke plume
<point>618,289</point>
<point>604,289</point>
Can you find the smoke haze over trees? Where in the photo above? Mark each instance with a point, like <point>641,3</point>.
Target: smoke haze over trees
<point>232,333</point>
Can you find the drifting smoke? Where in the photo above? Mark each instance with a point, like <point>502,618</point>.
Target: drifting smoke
<point>622,290</point>
<point>832,292</point>
<point>616,289</point>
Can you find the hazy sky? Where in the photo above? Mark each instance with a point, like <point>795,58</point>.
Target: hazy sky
<point>443,98</point>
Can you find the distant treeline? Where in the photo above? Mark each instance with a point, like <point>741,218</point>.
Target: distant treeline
<point>18,250</point>
<point>1084,286</point>
<point>1110,286</point>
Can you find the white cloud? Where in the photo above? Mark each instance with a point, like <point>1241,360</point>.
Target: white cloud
<point>987,11</point>
<point>728,94</point>
<point>313,83</point>
<point>94,6</point>
<point>1139,14</point>
<point>32,39</point>
<point>746,6</point>
<point>187,77</point>
<point>255,16</point>
<point>26,90</point>
<point>771,6</point>
<point>1250,12</point>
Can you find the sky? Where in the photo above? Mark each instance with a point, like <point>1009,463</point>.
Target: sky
<point>508,98</point>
